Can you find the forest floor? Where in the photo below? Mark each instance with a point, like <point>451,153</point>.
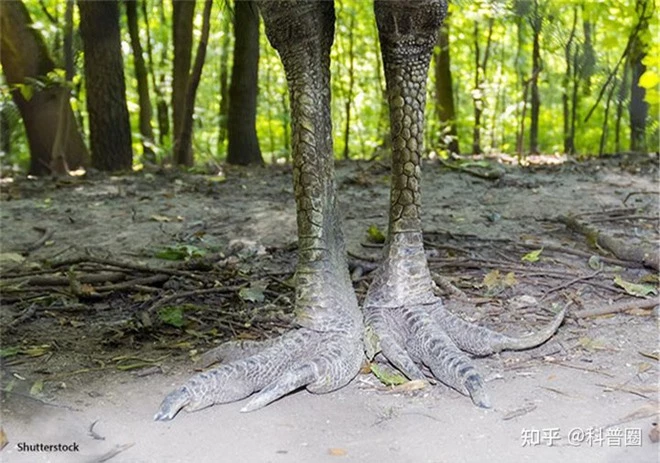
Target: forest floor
<point>96,329</point>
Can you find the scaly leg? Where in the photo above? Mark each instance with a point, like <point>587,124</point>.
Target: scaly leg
<point>326,351</point>
<point>410,325</point>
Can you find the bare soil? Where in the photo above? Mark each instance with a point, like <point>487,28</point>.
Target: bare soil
<point>96,329</point>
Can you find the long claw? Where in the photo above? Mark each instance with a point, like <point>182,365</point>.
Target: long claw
<point>475,388</point>
<point>532,340</point>
<point>481,341</point>
<point>289,382</point>
<point>171,405</point>
<point>400,359</point>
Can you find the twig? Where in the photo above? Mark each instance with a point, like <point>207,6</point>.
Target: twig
<point>46,235</point>
<point>616,308</point>
<point>196,292</point>
<point>128,265</point>
<point>114,452</point>
<point>647,257</point>
<point>569,283</point>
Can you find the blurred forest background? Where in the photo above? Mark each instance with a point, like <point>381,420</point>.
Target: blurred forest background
<point>119,84</point>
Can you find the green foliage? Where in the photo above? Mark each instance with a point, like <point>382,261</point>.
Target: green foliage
<point>172,315</point>
<point>356,46</point>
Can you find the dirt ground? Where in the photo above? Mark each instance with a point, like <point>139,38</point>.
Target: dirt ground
<point>96,329</point>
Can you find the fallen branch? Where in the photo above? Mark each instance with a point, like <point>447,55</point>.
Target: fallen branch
<point>647,257</point>
<point>620,307</point>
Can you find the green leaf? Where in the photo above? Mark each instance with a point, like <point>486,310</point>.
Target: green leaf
<point>180,252</point>
<point>533,256</point>
<point>255,293</point>
<point>37,387</point>
<point>595,263</point>
<point>386,376</point>
<point>26,91</point>
<point>649,79</point>
<point>375,235</point>
<point>9,351</point>
<point>634,289</point>
<point>172,315</point>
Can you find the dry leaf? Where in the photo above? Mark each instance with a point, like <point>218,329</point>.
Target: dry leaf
<point>409,386</point>
<point>337,452</point>
<point>642,367</point>
<point>3,439</point>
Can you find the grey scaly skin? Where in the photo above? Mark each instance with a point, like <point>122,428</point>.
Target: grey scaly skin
<point>405,321</point>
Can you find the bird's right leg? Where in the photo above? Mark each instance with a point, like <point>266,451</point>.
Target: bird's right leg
<point>326,351</point>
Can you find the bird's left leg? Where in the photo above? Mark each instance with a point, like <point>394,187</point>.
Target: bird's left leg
<point>410,325</point>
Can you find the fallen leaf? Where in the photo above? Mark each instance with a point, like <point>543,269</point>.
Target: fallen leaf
<point>255,293</point>
<point>3,439</point>
<point>172,315</point>
<point>634,289</point>
<point>337,452</point>
<point>375,235</point>
<point>160,218</point>
<point>492,279</point>
<point>10,258</point>
<point>533,256</point>
<point>643,367</point>
<point>595,262</point>
<point>387,376</point>
<point>37,387</point>
<point>410,386</point>
<point>591,344</point>
<point>510,279</point>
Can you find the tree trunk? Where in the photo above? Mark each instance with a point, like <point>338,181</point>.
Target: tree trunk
<point>243,146</point>
<point>535,103</point>
<point>5,130</point>
<point>69,66</point>
<point>55,143</point>
<point>183,151</point>
<point>351,83</point>
<point>638,108</point>
<point>183,13</point>
<point>569,50</point>
<point>162,114</point>
<point>444,93</point>
<point>142,81</point>
<point>223,114</point>
<point>109,126</point>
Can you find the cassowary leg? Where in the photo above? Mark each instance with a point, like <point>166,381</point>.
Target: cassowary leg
<point>325,353</point>
<point>410,325</point>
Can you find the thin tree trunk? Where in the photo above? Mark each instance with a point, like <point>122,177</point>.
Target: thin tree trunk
<point>604,130</point>
<point>162,113</point>
<point>621,99</point>
<point>55,143</point>
<point>183,155</point>
<point>638,108</point>
<point>223,115</point>
<point>69,70</point>
<point>351,83</point>
<point>142,81</point>
<point>243,147</point>
<point>5,131</point>
<point>569,147</point>
<point>535,104</point>
<point>109,126</point>
<point>183,12</point>
<point>444,93</point>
